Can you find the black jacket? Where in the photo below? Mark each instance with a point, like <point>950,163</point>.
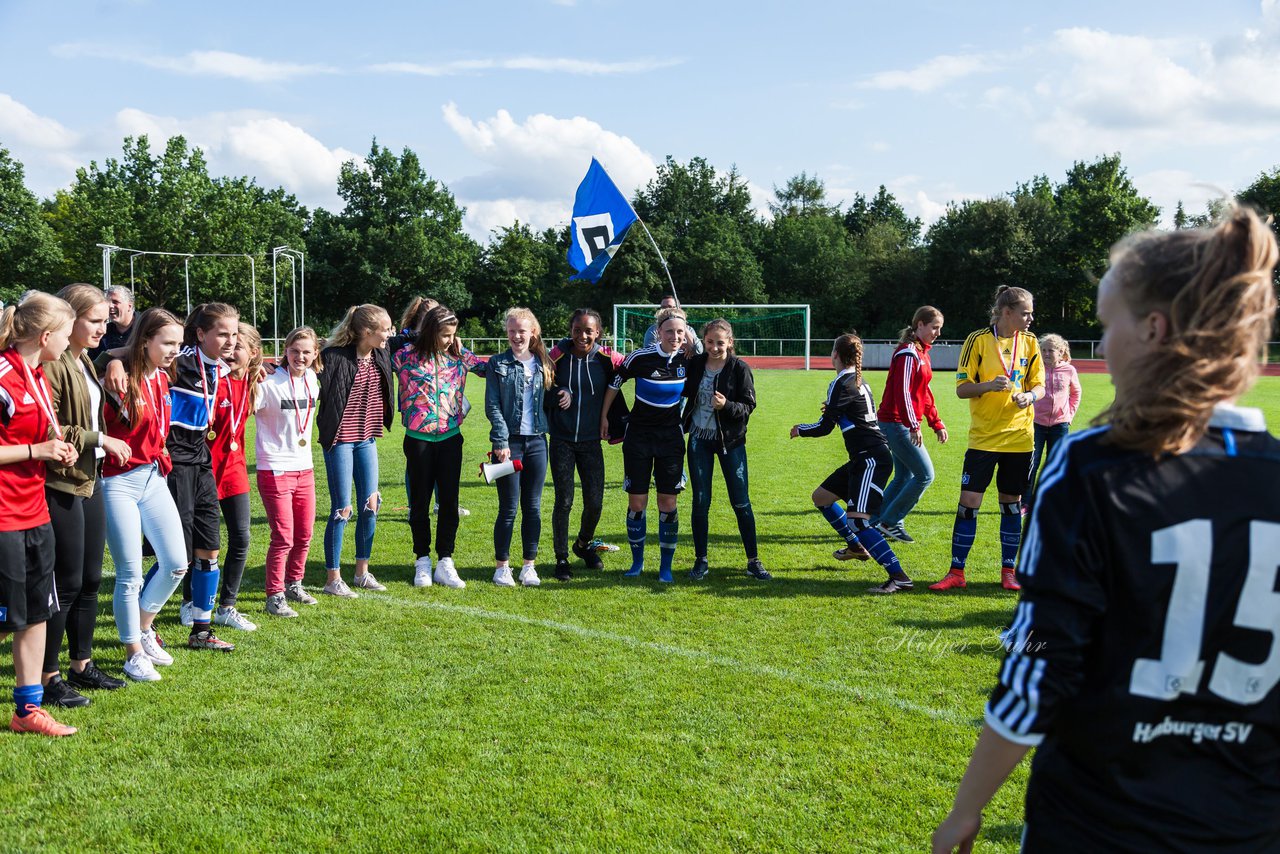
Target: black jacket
<point>586,380</point>
<point>335,386</point>
<point>738,386</point>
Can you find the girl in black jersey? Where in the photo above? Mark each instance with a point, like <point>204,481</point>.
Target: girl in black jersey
<point>860,482</point>
<point>1144,656</point>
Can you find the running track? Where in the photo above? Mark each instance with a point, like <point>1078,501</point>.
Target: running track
<point>1084,366</point>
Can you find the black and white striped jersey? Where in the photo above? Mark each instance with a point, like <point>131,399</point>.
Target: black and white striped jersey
<point>659,384</point>
<point>1144,654</point>
<point>851,407</point>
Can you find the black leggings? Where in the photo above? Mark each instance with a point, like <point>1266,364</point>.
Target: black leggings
<point>433,467</point>
<point>588,458</point>
<point>235,511</point>
<point>80,535</point>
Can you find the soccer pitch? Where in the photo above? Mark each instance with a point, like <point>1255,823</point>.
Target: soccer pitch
<point>602,714</point>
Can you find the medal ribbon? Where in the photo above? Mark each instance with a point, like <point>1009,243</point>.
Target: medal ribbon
<point>162,415</point>
<point>306,418</point>
<point>1013,360</point>
<point>244,408</point>
<point>44,397</point>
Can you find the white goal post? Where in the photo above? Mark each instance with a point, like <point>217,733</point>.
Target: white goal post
<point>775,330</point>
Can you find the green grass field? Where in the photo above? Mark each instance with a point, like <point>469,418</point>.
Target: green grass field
<point>603,714</point>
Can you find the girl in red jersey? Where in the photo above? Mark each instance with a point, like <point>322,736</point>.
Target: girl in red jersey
<point>136,495</point>
<point>231,471</point>
<point>286,409</point>
<point>907,401</point>
<point>35,330</point>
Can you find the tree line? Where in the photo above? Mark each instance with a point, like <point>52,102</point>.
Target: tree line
<point>865,266</point>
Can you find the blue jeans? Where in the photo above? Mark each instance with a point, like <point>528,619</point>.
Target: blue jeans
<point>733,465</point>
<point>343,462</point>
<point>1045,440</point>
<point>138,502</point>
<point>912,474</point>
<point>522,489</point>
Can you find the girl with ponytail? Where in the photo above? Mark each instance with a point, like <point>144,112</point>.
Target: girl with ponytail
<point>859,482</point>
<point>1142,658</point>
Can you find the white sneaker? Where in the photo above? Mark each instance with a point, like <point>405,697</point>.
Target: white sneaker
<point>278,607</point>
<point>462,511</point>
<point>502,577</point>
<point>155,652</point>
<point>340,588</point>
<point>422,571</point>
<point>294,592</point>
<point>366,582</point>
<point>447,574</point>
<point>232,618</point>
<point>140,669</point>
<point>184,615</point>
<point>529,576</point>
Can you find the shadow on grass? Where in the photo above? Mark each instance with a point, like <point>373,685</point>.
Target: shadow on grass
<point>992,618</point>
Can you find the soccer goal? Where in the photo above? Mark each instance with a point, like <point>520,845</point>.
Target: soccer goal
<point>769,335</point>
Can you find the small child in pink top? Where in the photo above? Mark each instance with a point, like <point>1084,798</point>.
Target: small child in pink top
<point>1056,410</point>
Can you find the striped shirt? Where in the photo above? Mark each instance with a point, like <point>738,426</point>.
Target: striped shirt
<point>362,416</point>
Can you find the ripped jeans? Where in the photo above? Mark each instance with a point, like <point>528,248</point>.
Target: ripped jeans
<point>733,464</point>
<point>344,462</point>
<point>138,504</point>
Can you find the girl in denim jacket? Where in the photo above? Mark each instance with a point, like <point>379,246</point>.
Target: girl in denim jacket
<point>515,390</point>
<point>432,374</point>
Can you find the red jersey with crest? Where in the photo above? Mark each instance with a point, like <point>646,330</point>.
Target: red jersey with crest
<point>230,466</point>
<point>22,422</point>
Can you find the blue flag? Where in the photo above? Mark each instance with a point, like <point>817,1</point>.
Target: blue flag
<point>601,217</point>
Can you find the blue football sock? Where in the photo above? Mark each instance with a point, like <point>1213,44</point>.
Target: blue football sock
<point>668,537</point>
<point>204,589</point>
<point>1010,533</point>
<point>636,525</point>
<point>874,542</point>
<point>963,535</point>
<point>837,519</point>
<point>27,695</point>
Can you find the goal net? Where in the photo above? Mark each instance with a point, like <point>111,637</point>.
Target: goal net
<point>768,335</point>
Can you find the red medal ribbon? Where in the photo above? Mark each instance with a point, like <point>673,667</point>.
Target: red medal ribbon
<point>44,397</point>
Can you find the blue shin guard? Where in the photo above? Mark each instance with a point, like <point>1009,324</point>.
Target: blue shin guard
<point>204,589</point>
<point>636,524</point>
<point>668,536</point>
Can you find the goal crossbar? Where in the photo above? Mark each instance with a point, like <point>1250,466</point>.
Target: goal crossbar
<point>727,309</point>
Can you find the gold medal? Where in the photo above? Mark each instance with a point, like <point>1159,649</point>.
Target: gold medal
<point>235,446</point>
<point>211,435</point>
<point>164,451</point>
<point>302,441</point>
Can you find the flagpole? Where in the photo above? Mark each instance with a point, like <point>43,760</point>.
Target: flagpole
<point>665,268</point>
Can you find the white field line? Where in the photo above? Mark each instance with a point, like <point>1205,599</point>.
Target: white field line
<point>861,693</point>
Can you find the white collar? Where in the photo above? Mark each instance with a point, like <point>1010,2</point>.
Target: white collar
<point>1232,417</point>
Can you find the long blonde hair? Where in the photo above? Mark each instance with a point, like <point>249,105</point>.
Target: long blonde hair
<point>35,314</point>
<point>536,347</point>
<point>82,297</point>
<point>1057,344</point>
<point>358,320</point>
<point>1008,297</point>
<point>306,332</point>
<point>1215,285</point>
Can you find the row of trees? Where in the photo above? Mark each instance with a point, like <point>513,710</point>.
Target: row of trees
<point>399,233</point>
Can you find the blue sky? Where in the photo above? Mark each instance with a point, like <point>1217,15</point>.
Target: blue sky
<point>506,102</point>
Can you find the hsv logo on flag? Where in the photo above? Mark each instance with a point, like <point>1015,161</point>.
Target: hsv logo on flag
<point>601,217</point>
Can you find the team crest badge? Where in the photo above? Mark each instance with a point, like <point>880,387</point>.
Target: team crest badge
<point>680,372</point>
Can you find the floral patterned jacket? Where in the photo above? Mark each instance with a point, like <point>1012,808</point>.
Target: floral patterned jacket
<point>431,396</point>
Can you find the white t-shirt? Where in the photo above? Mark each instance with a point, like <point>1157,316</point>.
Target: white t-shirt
<point>282,407</point>
<point>95,406</point>
<point>526,412</point>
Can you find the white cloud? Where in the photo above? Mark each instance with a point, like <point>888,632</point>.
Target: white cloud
<point>1132,93</point>
<point>266,147</point>
<point>546,64</point>
<point>21,126</point>
<point>1166,187</point>
<point>931,75</point>
<point>209,63</point>
<point>534,166</point>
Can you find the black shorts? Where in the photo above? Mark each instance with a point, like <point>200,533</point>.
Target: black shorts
<point>861,481</point>
<point>27,595</point>
<point>1012,479</point>
<point>196,496</point>
<point>658,456</point>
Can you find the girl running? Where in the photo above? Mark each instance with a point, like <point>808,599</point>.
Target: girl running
<point>1057,409</point>
<point>34,331</point>
<point>859,482</point>
<point>583,370</point>
<point>1002,376</point>
<point>74,495</point>
<point>231,470</point>
<point>516,383</point>
<point>135,494</point>
<point>286,408</point>
<point>355,409</point>
<point>723,396</point>
<point>907,401</point>
<point>433,378</point>
<point>1142,658</point>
